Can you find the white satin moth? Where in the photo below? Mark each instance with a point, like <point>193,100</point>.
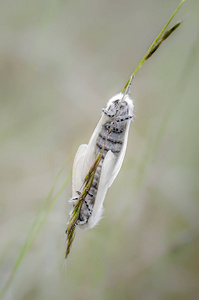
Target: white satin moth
<point>111,160</point>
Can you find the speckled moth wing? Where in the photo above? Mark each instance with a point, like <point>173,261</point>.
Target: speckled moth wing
<point>77,169</point>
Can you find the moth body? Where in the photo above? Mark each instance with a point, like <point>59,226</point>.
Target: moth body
<point>115,142</point>
<point>89,201</point>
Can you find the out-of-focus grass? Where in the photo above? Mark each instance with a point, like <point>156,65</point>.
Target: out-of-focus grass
<point>59,63</point>
<point>36,226</point>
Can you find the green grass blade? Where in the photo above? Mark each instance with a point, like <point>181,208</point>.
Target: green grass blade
<point>153,45</point>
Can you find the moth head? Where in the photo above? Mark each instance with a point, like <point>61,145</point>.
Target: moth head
<point>125,109</point>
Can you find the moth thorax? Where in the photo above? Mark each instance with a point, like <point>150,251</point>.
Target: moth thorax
<point>123,109</point>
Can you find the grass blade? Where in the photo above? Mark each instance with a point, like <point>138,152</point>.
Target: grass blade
<point>154,46</point>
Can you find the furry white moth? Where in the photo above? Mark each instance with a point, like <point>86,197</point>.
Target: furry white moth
<point>111,160</point>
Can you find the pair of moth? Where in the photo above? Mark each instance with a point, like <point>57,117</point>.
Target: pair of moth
<point>110,138</point>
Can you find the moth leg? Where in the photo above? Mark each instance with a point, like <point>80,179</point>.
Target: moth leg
<point>81,222</point>
<point>90,194</point>
<point>73,200</point>
<point>88,207</point>
<point>120,119</point>
<point>107,113</point>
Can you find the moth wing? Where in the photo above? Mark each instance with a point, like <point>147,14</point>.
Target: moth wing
<point>120,159</point>
<point>107,169</point>
<point>77,169</point>
<point>85,158</point>
<point>110,168</point>
<point>90,155</point>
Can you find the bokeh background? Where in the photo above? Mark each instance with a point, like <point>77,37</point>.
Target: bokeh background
<point>60,62</point>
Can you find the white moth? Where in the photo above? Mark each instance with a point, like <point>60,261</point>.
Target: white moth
<point>111,161</point>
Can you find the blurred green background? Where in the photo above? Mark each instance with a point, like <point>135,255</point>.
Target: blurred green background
<point>60,62</point>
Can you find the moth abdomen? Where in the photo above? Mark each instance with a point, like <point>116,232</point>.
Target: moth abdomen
<point>110,138</point>
<point>114,147</point>
<point>96,181</point>
<point>114,141</point>
<point>89,201</point>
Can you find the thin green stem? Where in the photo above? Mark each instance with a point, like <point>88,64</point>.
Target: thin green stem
<point>154,43</point>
